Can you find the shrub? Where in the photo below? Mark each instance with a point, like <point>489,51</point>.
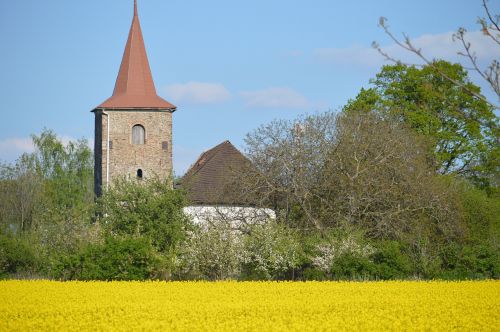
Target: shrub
<point>481,214</point>
<point>309,250</point>
<point>349,266</point>
<point>342,254</point>
<point>150,209</point>
<point>271,251</point>
<point>311,273</point>
<point>211,253</point>
<point>390,261</point>
<point>116,259</point>
<point>17,256</point>
<point>469,262</point>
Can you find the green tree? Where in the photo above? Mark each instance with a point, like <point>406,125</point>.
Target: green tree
<point>462,129</point>
<point>67,169</point>
<point>52,185</point>
<point>149,209</point>
<point>20,194</point>
<point>116,259</point>
<point>490,74</point>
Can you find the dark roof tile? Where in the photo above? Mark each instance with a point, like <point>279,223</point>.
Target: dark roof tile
<point>207,180</point>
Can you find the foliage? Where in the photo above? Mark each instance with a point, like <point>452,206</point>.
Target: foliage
<point>462,130</point>
<point>490,28</point>
<point>352,267</point>
<point>481,213</point>
<point>150,208</point>
<point>476,254</point>
<point>270,251</point>
<point>343,255</point>
<point>17,256</point>
<point>46,199</point>
<point>212,253</point>
<point>469,262</point>
<point>218,252</point>
<point>355,196</point>
<point>67,166</point>
<point>116,259</point>
<point>21,194</point>
<point>51,185</point>
<point>363,170</point>
<point>378,179</point>
<point>390,261</point>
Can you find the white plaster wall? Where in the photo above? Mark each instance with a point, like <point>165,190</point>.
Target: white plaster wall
<point>236,215</point>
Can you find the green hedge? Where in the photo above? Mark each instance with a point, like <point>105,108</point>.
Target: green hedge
<point>115,259</point>
<point>17,257</point>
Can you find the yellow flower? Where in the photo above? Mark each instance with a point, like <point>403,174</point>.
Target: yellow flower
<point>250,306</point>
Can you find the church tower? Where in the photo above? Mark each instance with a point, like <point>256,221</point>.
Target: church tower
<point>133,128</point>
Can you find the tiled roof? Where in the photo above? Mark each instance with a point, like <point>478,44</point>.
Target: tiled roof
<point>134,86</point>
<point>206,180</point>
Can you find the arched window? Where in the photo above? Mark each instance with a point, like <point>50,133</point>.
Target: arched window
<point>138,134</point>
<point>139,174</point>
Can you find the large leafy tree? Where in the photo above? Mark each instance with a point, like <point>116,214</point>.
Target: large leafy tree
<point>490,74</point>
<point>348,170</point>
<point>52,184</point>
<point>462,129</point>
<point>149,209</point>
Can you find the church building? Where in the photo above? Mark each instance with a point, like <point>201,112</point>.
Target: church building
<point>133,128</point>
<point>133,139</point>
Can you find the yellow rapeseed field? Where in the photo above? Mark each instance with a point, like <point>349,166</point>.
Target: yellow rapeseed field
<point>249,306</point>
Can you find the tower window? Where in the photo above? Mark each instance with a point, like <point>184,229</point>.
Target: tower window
<point>139,174</point>
<point>138,134</point>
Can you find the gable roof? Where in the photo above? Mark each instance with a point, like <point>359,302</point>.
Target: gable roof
<point>134,86</point>
<point>206,180</point>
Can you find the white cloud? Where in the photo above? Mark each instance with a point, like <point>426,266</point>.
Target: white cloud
<point>65,139</point>
<point>197,93</point>
<point>275,97</point>
<point>439,46</point>
<point>11,148</point>
<point>356,54</point>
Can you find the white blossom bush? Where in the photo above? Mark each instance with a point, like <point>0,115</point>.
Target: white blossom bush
<point>212,252</point>
<point>217,251</point>
<point>270,251</point>
<point>334,248</point>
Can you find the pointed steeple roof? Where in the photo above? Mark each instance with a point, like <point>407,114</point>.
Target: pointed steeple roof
<point>134,86</point>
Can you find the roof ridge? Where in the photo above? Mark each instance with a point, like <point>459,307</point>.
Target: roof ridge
<point>206,183</point>
<point>215,148</point>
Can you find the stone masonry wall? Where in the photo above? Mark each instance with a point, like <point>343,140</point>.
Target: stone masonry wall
<point>154,157</point>
<point>98,154</point>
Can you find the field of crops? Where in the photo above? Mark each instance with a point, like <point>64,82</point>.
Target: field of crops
<point>249,306</point>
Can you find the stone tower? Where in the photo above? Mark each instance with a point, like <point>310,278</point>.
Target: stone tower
<point>133,128</point>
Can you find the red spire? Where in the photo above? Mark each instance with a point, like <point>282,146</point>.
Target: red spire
<point>134,86</point>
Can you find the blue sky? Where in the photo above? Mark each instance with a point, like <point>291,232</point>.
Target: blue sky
<point>229,66</point>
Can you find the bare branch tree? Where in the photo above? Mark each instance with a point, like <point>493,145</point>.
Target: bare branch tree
<point>491,74</point>
<point>329,170</point>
